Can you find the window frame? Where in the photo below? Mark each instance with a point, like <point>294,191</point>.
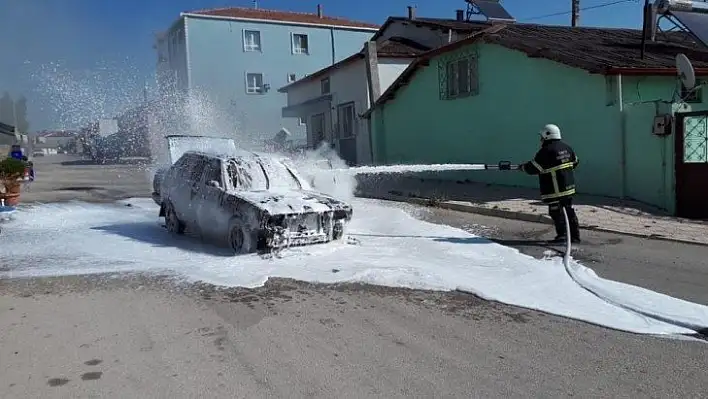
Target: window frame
<point>340,120</point>
<point>451,70</point>
<point>292,43</point>
<point>196,171</point>
<point>328,82</point>
<point>693,96</point>
<point>247,88</point>
<point>260,41</point>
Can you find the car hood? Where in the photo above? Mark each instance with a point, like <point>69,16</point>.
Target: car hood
<point>287,202</point>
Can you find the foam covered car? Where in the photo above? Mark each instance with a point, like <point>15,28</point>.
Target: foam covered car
<point>253,201</point>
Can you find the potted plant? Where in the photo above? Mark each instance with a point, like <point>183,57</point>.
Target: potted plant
<point>11,172</point>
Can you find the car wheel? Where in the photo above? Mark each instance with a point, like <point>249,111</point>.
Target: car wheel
<point>338,231</point>
<point>240,238</point>
<point>174,225</point>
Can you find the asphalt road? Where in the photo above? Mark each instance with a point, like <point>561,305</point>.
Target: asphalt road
<point>65,178</point>
<point>676,269</point>
<point>147,337</point>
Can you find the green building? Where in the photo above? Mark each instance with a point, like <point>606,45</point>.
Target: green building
<point>484,98</point>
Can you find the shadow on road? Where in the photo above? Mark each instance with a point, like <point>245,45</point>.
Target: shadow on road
<point>157,236</point>
<point>456,240</point>
<point>79,188</point>
<point>475,240</point>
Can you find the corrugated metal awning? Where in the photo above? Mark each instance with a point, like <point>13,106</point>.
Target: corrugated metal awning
<point>7,129</point>
<point>297,110</point>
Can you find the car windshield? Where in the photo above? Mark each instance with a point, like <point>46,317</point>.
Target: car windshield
<point>279,176</point>
<point>254,174</point>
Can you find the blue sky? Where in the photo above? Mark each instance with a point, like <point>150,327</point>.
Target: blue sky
<point>78,59</point>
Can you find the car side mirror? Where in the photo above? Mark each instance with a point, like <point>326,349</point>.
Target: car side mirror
<point>213,183</point>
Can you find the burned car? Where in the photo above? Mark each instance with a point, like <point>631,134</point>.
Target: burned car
<point>256,202</point>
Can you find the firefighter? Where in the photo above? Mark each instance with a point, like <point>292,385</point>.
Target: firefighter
<point>554,164</point>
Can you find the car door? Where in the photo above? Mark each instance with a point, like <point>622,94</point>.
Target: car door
<point>210,213</point>
<point>189,190</point>
<point>174,184</point>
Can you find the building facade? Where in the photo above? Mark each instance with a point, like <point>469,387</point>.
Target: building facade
<point>484,99</point>
<point>222,67</point>
<point>332,99</point>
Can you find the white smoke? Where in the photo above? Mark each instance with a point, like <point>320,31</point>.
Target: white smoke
<point>82,98</point>
<point>327,172</point>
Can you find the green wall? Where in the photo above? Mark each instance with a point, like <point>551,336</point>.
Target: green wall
<point>517,96</point>
<point>650,159</point>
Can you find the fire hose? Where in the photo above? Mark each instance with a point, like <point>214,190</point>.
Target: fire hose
<point>502,165</point>
<point>407,168</point>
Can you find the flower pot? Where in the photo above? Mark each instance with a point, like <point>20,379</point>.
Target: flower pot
<point>11,194</point>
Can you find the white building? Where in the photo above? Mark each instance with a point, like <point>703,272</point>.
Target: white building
<point>331,100</point>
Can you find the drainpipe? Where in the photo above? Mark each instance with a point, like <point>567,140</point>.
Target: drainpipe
<point>623,138</point>
<point>334,51</point>
<point>664,142</point>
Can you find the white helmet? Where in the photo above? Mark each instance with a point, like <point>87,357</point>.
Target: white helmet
<point>550,132</point>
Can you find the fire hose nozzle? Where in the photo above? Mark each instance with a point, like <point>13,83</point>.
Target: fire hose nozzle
<point>504,165</point>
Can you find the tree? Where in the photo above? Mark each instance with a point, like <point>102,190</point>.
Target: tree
<point>21,115</point>
<point>7,109</point>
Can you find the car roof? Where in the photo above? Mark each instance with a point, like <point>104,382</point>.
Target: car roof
<point>235,154</point>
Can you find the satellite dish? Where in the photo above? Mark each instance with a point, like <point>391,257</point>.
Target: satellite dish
<point>685,71</point>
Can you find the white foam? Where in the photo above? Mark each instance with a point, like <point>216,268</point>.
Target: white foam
<point>178,145</point>
<point>395,249</point>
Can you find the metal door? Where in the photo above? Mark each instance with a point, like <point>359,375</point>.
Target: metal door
<point>347,129</point>
<point>691,164</point>
<point>317,127</point>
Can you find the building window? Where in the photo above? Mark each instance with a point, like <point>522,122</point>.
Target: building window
<point>346,120</point>
<point>301,121</point>
<point>291,77</point>
<point>254,83</point>
<point>694,96</point>
<point>324,85</point>
<point>300,44</point>
<point>458,78</point>
<point>251,40</point>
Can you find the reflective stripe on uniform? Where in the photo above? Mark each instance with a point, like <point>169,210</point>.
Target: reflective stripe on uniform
<point>552,171</point>
<point>557,195</point>
<point>534,163</point>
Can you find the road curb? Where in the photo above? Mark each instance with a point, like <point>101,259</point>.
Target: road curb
<point>506,214</point>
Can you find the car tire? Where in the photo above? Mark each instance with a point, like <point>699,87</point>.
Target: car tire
<point>338,231</point>
<point>240,238</point>
<point>174,225</point>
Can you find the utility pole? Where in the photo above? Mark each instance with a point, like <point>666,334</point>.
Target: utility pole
<point>14,115</point>
<point>575,13</point>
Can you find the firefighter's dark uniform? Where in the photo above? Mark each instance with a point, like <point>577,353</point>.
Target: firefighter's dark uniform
<point>554,164</point>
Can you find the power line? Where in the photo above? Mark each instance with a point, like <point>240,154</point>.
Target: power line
<point>557,14</point>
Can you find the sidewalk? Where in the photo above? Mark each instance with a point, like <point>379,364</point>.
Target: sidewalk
<point>598,213</point>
